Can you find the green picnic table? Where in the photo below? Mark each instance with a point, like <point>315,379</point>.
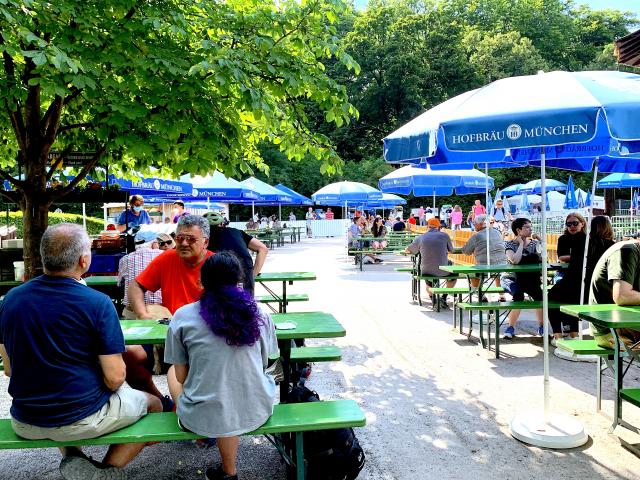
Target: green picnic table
<point>613,317</point>
<point>284,277</point>
<point>107,284</point>
<point>306,325</point>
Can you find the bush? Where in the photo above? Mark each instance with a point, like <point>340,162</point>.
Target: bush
<point>94,225</point>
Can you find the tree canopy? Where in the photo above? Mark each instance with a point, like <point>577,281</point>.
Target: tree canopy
<point>180,85</point>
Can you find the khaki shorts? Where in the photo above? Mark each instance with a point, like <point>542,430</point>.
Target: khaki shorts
<point>125,407</point>
<point>158,311</point>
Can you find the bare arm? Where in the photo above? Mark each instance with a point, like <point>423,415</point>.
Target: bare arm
<point>261,250</point>
<point>136,300</point>
<point>181,372</point>
<point>564,258</point>
<point>624,294</point>
<point>113,369</point>
<point>5,360</point>
<point>515,257</point>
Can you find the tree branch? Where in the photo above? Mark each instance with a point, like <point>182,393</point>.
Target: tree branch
<point>73,126</point>
<point>11,179</point>
<point>56,194</point>
<point>56,164</point>
<point>51,120</point>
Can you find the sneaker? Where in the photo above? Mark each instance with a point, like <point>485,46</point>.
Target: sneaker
<point>218,474</point>
<point>167,404</point>
<point>205,442</point>
<point>443,304</point>
<point>540,330</point>
<point>509,332</point>
<point>79,468</point>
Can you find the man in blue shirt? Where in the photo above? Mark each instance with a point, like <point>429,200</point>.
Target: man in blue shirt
<point>62,347</point>
<point>134,215</point>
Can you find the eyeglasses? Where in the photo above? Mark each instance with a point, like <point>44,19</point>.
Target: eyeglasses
<point>188,238</point>
<point>168,242</point>
<point>572,224</point>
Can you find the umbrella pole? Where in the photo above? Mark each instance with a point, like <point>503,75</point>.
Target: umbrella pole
<point>280,212</point>
<point>253,209</point>
<point>586,243</point>
<point>84,216</point>
<point>434,199</point>
<point>487,223</point>
<point>545,292</point>
<point>547,430</point>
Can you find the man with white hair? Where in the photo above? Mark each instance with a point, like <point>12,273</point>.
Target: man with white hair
<point>477,246</point>
<point>175,272</point>
<point>62,347</point>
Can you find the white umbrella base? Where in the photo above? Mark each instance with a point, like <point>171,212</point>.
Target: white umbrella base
<point>560,432</point>
<point>565,355</point>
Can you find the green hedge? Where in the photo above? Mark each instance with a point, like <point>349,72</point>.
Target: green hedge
<point>94,225</point>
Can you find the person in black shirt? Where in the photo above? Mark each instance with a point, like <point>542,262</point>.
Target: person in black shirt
<point>399,226</point>
<point>240,243</point>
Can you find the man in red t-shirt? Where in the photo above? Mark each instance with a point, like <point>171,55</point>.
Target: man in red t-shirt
<point>177,271</point>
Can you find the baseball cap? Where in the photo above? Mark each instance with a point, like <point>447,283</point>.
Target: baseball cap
<point>434,223</point>
<point>214,218</point>
<point>145,236</point>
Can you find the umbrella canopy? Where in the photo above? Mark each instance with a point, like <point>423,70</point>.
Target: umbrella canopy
<point>489,203</point>
<point>267,193</point>
<point>570,201</point>
<point>566,115</point>
<point>535,186</point>
<point>219,187</point>
<point>587,201</point>
<point>340,193</point>
<point>580,200</point>
<point>524,203</point>
<point>512,190</point>
<point>427,181</point>
<point>152,186</point>
<point>620,180</point>
<point>635,200</point>
<point>297,198</point>
<point>388,200</point>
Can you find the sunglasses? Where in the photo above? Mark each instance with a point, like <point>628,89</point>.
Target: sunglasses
<point>572,224</point>
<point>188,238</point>
<point>167,242</point>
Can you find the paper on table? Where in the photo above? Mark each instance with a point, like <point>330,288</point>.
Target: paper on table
<point>136,330</point>
<point>286,325</point>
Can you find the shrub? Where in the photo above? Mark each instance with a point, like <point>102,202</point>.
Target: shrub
<point>94,225</point>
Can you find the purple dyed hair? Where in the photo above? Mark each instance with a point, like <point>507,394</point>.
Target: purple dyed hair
<point>229,311</point>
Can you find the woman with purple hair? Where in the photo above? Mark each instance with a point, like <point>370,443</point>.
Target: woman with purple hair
<point>219,348</point>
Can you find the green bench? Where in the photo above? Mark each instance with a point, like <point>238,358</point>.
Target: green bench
<point>435,280</point>
<point>404,269</point>
<point>495,308</point>
<point>590,347</point>
<point>457,294</point>
<point>293,418</point>
<point>291,297</point>
<point>325,353</point>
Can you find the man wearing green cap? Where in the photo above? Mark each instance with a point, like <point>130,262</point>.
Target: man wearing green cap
<point>238,242</point>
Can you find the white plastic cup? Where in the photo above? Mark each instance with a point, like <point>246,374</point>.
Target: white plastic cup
<point>18,268</point>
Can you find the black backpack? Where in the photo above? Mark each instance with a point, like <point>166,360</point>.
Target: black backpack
<point>330,454</point>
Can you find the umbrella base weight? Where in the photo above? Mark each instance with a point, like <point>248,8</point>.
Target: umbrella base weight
<point>559,432</point>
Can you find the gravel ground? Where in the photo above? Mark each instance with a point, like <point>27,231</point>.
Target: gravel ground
<point>437,405</point>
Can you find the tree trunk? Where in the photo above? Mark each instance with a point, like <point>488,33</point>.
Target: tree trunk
<point>35,219</point>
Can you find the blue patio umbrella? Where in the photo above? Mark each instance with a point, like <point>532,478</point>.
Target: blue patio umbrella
<point>152,186</point>
<point>535,186</point>
<point>489,204</point>
<point>512,190</point>
<point>580,200</point>
<point>619,180</point>
<point>570,201</point>
<point>587,201</point>
<point>635,202</point>
<point>346,193</point>
<point>267,193</point>
<point>388,200</point>
<point>563,116</point>
<point>218,186</point>
<point>297,198</point>
<point>498,195</point>
<point>546,202</point>
<point>426,181</point>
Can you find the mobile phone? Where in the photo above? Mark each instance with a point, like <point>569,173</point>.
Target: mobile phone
<point>164,321</point>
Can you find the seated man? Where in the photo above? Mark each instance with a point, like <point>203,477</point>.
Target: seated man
<point>65,359</point>
<point>477,246</point>
<point>616,279</point>
<point>399,226</point>
<point>175,272</point>
<point>523,249</point>
<point>433,246</point>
